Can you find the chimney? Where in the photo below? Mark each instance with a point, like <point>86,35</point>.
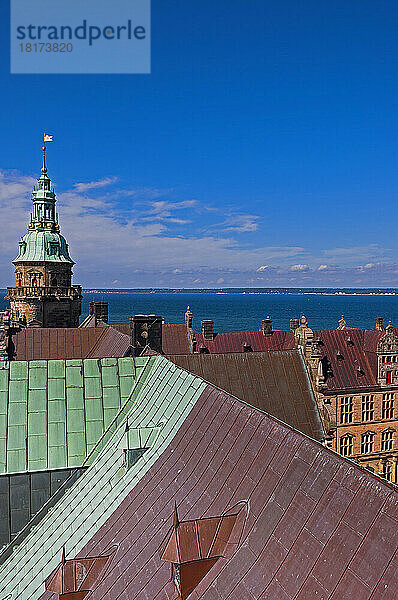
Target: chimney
<point>189,318</point>
<point>5,335</point>
<point>379,323</point>
<point>294,324</point>
<point>267,326</point>
<point>207,327</point>
<point>99,310</point>
<point>146,330</point>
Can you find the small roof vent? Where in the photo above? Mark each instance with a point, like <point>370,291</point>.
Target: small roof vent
<point>349,341</point>
<point>247,347</point>
<point>339,355</point>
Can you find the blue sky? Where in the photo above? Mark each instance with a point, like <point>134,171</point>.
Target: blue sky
<point>261,150</point>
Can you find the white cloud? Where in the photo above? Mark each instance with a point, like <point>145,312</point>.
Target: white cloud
<point>241,223</point>
<point>139,242</point>
<point>354,254</point>
<point>91,185</point>
<point>299,268</point>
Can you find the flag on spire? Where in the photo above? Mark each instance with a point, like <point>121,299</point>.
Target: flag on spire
<point>47,138</point>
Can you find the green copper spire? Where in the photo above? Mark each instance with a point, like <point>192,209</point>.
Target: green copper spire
<point>44,215</point>
<point>43,242</point>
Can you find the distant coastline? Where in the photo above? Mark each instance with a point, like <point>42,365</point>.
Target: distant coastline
<point>251,291</point>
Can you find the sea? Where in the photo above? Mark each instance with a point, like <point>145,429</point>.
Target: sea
<point>242,309</point>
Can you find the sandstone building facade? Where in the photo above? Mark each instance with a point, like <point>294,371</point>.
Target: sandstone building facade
<point>355,378</point>
<point>44,295</point>
<point>354,374</point>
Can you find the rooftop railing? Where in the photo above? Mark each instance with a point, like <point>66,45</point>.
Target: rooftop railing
<point>37,291</point>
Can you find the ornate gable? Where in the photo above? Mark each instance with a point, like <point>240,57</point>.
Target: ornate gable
<point>387,357</point>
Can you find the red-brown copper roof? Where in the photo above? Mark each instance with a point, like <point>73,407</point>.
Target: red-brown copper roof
<point>122,327</point>
<point>89,342</point>
<point>175,338</point>
<point>350,357</point>
<point>233,342</point>
<point>349,365</point>
<point>276,382</point>
<point>111,344</point>
<point>43,343</point>
<point>317,525</point>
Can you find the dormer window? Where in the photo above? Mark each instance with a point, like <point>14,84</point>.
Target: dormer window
<point>53,248</point>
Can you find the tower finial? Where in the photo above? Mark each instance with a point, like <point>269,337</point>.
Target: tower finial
<point>44,168</point>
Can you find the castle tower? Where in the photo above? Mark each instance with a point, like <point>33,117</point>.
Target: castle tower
<point>44,295</point>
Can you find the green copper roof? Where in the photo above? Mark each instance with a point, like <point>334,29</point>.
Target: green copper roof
<point>43,242</point>
<point>52,413</point>
<point>163,399</point>
<point>38,246</point>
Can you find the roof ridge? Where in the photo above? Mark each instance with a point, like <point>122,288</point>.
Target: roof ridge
<point>105,330</point>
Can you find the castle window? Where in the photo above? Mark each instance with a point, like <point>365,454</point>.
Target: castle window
<point>387,470</point>
<point>388,406</point>
<point>387,440</point>
<point>346,445</point>
<point>346,410</point>
<point>388,377</point>
<point>368,408</point>
<point>367,442</point>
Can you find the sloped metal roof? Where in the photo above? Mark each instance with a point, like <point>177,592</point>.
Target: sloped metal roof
<point>53,412</point>
<point>164,399</point>
<point>317,525</point>
<point>67,343</point>
<point>175,338</point>
<point>54,343</point>
<point>112,343</point>
<point>234,341</point>
<point>350,355</point>
<point>275,382</point>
